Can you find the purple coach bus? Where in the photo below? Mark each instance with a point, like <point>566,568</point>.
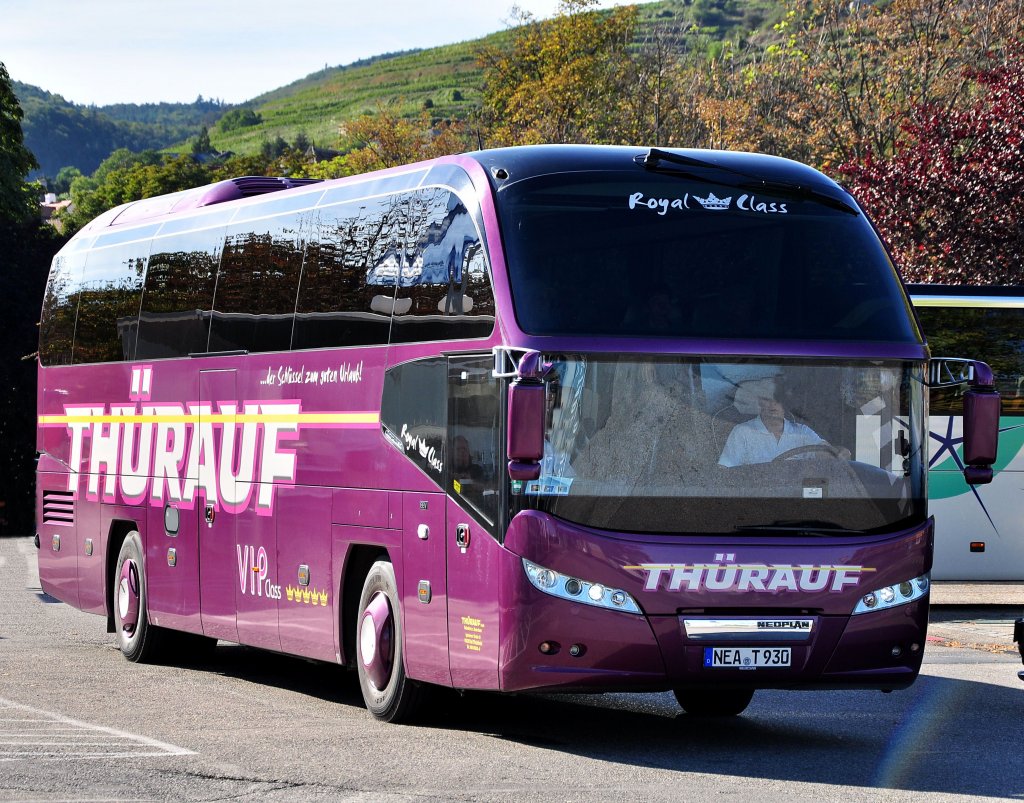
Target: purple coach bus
<point>542,418</point>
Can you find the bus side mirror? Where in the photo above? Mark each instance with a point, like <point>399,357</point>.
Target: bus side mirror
<point>525,437</point>
<point>981,425</point>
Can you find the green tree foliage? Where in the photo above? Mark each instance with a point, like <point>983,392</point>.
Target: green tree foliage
<point>61,183</point>
<point>558,79</point>
<point>386,139</point>
<point>27,248</point>
<point>238,118</point>
<point>201,144</point>
<point>125,176</point>
<point>273,148</point>
<point>17,200</point>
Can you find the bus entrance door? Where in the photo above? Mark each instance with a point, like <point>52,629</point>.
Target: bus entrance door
<point>219,568</point>
<point>474,474</point>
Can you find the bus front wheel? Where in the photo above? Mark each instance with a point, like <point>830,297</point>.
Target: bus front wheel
<point>138,640</point>
<point>714,702</point>
<point>389,695</point>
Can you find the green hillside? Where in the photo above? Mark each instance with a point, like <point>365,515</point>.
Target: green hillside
<point>450,80</point>
<point>446,79</point>
<point>62,134</point>
<point>320,103</point>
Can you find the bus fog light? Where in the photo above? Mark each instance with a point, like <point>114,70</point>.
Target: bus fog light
<point>576,650</point>
<point>573,587</point>
<point>549,647</point>
<point>897,651</point>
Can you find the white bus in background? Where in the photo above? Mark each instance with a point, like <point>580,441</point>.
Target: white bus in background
<point>979,530</point>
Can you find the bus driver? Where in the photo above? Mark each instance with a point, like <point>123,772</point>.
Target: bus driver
<point>769,435</point>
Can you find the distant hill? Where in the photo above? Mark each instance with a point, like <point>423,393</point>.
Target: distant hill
<point>63,134</point>
<point>445,79</point>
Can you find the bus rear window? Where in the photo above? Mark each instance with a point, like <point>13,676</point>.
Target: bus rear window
<point>666,256</point>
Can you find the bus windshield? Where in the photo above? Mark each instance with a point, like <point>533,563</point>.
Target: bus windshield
<point>686,445</point>
<point>617,253</point>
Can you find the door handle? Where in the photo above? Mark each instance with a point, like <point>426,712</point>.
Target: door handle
<point>462,536</point>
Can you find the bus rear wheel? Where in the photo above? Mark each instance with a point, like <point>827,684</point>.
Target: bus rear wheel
<point>389,695</point>
<point>714,702</point>
<point>138,640</point>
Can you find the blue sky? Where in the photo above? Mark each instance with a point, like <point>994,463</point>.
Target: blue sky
<point>139,51</point>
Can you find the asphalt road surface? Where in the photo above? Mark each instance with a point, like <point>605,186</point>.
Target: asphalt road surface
<point>79,723</point>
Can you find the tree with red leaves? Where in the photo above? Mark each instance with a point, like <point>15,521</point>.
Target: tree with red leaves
<point>950,200</point>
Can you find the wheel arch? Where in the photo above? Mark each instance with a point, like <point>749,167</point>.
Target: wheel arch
<point>358,561</point>
<point>119,530</point>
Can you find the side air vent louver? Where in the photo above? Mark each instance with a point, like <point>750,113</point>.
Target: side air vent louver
<point>59,508</point>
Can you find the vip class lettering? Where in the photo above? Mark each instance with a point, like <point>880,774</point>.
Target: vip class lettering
<point>253,569</point>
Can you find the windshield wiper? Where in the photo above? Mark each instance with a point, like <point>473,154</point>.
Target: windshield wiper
<point>654,157</point>
<point>805,527</point>
<point>799,191</point>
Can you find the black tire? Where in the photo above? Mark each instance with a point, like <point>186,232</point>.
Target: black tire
<point>389,695</point>
<point>138,640</point>
<point>714,702</point>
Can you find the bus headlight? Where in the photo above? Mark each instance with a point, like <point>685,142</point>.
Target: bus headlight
<point>581,591</point>
<point>890,596</point>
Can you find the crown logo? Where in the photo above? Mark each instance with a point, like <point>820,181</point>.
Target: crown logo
<point>290,592</point>
<point>714,203</point>
<point>323,599</point>
<point>305,595</point>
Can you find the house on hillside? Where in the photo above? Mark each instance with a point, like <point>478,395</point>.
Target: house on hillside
<point>49,208</point>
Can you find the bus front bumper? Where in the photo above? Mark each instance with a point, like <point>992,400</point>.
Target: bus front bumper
<point>563,647</point>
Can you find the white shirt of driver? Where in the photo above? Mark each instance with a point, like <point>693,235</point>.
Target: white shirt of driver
<point>751,442</point>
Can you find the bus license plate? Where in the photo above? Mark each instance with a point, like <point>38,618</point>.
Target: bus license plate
<point>746,657</point>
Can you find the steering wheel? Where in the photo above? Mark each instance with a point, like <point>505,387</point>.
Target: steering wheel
<point>826,448</point>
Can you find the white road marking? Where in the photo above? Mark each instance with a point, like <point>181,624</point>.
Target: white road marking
<point>30,733</point>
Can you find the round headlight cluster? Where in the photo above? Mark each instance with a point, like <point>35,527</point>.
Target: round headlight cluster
<point>582,591</point>
<point>891,596</point>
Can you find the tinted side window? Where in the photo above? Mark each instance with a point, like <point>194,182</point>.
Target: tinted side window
<point>444,291</point>
<point>60,305</point>
<point>348,279</point>
<point>108,306</point>
<point>178,294</point>
<point>256,284</point>
<point>992,334</point>
<point>413,412</point>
